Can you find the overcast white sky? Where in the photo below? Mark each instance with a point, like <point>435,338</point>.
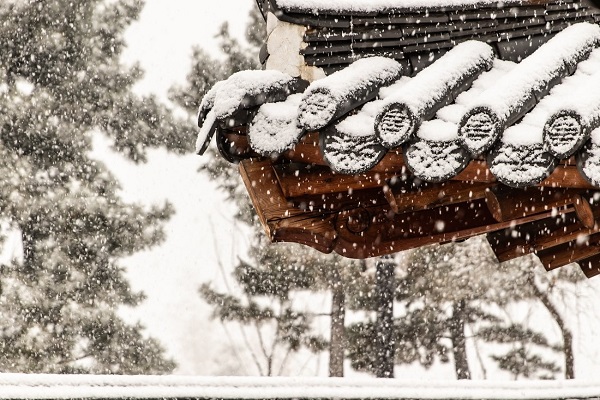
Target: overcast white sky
<point>163,37</point>
<point>161,40</point>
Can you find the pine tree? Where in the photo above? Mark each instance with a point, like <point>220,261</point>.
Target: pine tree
<point>327,273</point>
<point>453,292</point>
<point>538,286</point>
<point>62,82</point>
<point>520,359</point>
<point>266,307</point>
<point>453,283</point>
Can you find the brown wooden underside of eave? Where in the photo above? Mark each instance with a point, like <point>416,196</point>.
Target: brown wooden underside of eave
<point>298,199</point>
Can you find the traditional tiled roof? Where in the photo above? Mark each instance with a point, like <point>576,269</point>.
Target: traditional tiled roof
<point>416,32</point>
<point>467,105</point>
<point>391,151</point>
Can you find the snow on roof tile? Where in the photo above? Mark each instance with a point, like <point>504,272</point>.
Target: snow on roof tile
<point>244,86</point>
<point>404,109</point>
<point>329,98</point>
<point>434,154</point>
<point>275,127</point>
<point>508,100</point>
<point>371,6</point>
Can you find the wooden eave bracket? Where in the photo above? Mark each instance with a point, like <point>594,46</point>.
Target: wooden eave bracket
<point>385,210</point>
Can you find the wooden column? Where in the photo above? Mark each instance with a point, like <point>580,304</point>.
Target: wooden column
<point>386,342</point>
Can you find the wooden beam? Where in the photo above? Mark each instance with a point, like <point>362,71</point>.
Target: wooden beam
<point>312,230</point>
<point>476,171</point>
<point>430,195</point>
<point>301,180</point>
<point>389,233</point>
<point>590,266</point>
<point>281,221</point>
<point>566,176</point>
<point>306,151</point>
<point>555,230</point>
<point>558,256</point>
<point>360,228</point>
<point>507,203</point>
<point>339,201</point>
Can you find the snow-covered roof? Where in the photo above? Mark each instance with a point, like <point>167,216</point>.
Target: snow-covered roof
<point>434,135</point>
<point>523,118</point>
<point>383,6</point>
<point>416,32</point>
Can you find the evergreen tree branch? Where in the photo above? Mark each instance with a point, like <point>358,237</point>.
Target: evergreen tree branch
<point>567,336</point>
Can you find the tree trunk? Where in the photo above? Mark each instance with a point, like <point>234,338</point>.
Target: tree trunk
<point>386,346</point>
<point>338,313</point>
<point>567,336</point>
<point>459,341</point>
<point>28,243</point>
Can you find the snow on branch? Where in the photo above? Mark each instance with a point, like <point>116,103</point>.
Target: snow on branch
<point>434,87</point>
<point>508,100</point>
<point>330,98</point>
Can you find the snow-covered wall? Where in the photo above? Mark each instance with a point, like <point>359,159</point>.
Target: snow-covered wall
<point>22,386</point>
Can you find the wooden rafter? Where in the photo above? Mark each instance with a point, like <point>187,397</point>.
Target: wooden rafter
<point>385,210</point>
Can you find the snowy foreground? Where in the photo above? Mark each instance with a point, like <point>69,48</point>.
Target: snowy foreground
<point>22,386</point>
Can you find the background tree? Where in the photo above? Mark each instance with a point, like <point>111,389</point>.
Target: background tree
<point>548,289</point>
<point>521,360</point>
<point>458,293</point>
<point>62,82</point>
<point>266,307</point>
<point>328,273</point>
